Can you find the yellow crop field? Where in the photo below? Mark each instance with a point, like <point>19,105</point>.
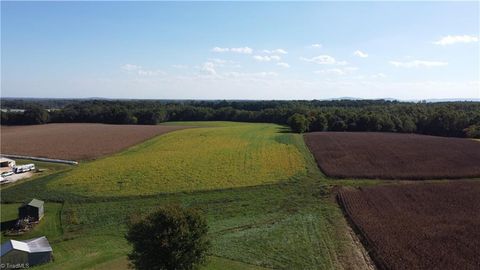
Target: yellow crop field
<point>222,155</point>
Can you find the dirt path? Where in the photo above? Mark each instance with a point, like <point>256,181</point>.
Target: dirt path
<point>19,176</point>
<point>358,259</point>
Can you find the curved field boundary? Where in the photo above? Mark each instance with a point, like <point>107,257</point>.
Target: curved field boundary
<point>70,162</point>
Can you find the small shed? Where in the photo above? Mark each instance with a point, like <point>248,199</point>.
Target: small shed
<point>34,209</point>
<point>27,252</point>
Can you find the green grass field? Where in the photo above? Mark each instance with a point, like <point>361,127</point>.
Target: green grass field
<point>225,156</point>
<point>260,215</point>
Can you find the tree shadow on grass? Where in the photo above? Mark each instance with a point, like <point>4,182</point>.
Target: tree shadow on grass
<point>284,129</point>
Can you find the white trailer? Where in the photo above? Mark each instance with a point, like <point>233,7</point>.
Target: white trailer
<point>24,168</point>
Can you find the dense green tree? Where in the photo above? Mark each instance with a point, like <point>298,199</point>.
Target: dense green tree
<point>146,117</point>
<point>35,115</point>
<point>318,123</point>
<point>172,237</point>
<point>298,123</point>
<point>473,131</point>
<point>408,125</point>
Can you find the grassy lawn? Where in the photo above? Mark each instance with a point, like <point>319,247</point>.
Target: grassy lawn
<point>50,225</point>
<point>9,211</point>
<point>260,215</point>
<point>213,263</point>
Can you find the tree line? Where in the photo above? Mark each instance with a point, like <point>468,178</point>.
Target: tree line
<point>455,119</point>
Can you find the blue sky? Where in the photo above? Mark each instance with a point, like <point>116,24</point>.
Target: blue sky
<point>192,50</point>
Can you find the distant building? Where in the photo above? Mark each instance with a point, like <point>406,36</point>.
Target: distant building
<point>33,209</point>
<point>6,164</point>
<point>15,254</point>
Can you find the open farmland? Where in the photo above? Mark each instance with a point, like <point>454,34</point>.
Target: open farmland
<point>420,225</point>
<point>75,141</point>
<point>286,223</point>
<point>394,156</point>
<point>232,155</point>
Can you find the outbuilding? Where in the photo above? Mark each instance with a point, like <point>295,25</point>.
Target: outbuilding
<point>34,209</point>
<point>26,253</point>
<point>6,164</point>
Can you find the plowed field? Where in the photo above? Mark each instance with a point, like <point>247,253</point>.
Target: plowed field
<point>418,226</point>
<point>75,141</point>
<point>394,156</point>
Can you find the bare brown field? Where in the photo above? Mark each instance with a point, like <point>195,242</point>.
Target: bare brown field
<point>75,141</point>
<point>394,156</point>
<point>419,225</point>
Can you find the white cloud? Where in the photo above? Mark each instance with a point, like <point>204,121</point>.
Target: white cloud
<point>374,77</point>
<point>275,57</point>
<point>276,51</point>
<point>267,58</point>
<point>316,46</point>
<point>283,64</point>
<point>360,54</point>
<point>218,61</point>
<point>263,74</point>
<point>350,69</point>
<point>379,76</point>
<point>180,66</point>
<point>224,63</point>
<point>220,50</point>
<point>209,68</point>
<point>261,58</point>
<point>336,71</point>
<point>324,60</point>
<point>449,40</point>
<point>242,50</point>
<point>331,71</point>
<point>143,72</point>
<point>418,63</point>
<point>130,67</point>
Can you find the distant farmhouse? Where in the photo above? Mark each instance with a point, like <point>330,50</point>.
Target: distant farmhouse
<point>34,209</point>
<point>6,164</point>
<point>15,254</point>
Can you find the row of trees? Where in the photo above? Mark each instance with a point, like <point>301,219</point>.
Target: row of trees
<point>440,120</point>
<point>458,119</point>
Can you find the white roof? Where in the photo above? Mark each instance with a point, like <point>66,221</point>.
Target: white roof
<point>4,159</point>
<point>34,245</point>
